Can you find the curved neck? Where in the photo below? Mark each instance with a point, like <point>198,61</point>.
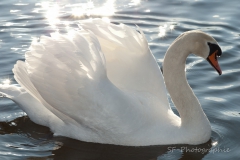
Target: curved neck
<point>181,93</point>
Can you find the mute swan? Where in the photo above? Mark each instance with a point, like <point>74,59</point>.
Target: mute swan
<point>102,84</point>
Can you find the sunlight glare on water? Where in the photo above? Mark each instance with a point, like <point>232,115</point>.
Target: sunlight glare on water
<point>217,99</point>
<point>162,31</point>
<point>135,2</point>
<point>6,81</point>
<point>52,15</point>
<point>107,9</point>
<point>214,143</point>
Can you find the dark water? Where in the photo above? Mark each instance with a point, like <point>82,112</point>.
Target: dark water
<point>26,20</point>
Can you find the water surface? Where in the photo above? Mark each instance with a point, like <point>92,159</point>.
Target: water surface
<point>162,21</point>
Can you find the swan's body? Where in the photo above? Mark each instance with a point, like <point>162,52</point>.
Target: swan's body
<point>113,91</point>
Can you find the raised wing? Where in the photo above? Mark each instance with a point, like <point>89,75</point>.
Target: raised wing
<point>129,62</point>
<point>69,75</point>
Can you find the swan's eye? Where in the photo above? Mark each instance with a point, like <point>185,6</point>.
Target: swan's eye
<point>214,48</point>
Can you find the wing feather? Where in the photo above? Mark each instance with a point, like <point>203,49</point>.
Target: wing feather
<point>130,64</point>
<point>66,73</point>
<point>63,70</point>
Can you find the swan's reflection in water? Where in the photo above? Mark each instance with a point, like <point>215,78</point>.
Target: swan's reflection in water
<point>88,151</point>
<point>66,148</point>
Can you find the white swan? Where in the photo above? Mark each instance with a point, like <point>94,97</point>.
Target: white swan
<point>102,84</point>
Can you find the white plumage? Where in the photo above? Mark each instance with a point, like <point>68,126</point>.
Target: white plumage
<point>101,84</point>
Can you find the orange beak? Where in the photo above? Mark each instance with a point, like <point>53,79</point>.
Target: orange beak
<point>212,59</point>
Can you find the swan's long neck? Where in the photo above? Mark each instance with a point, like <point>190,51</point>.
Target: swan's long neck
<point>181,93</point>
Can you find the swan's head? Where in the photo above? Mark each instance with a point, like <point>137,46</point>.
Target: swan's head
<point>206,47</point>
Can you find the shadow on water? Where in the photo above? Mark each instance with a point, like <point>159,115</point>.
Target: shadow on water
<point>67,148</point>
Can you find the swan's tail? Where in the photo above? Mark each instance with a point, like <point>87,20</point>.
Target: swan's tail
<point>34,109</point>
